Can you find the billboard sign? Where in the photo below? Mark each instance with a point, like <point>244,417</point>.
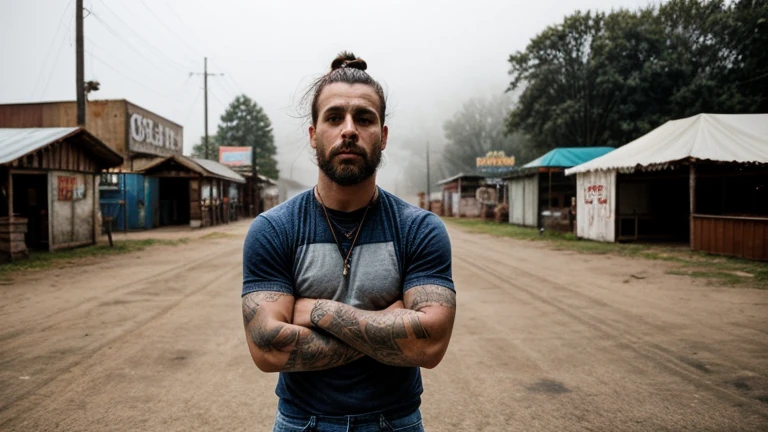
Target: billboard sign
<point>151,134</point>
<point>495,162</point>
<point>235,156</point>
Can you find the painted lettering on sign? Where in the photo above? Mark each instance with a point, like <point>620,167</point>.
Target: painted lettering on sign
<point>69,189</point>
<point>144,130</point>
<point>596,199</point>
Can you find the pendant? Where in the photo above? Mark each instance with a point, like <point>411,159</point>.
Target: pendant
<point>349,234</point>
<point>345,272</point>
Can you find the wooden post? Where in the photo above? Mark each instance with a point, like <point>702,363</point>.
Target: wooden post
<point>458,213</point>
<point>692,192</point>
<point>10,194</point>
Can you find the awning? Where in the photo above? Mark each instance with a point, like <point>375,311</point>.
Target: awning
<point>741,138</point>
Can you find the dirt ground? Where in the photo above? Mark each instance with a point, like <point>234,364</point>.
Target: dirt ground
<point>544,340</point>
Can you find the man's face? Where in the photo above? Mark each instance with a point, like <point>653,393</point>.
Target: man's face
<point>348,136</point>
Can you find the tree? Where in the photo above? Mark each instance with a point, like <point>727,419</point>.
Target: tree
<point>198,150</point>
<point>477,129</point>
<point>245,124</point>
<point>606,79</point>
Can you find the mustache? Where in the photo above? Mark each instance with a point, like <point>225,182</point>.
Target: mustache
<point>348,147</point>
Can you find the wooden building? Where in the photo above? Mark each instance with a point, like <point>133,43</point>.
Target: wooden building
<point>140,136</point>
<point>702,180</point>
<point>459,195</point>
<point>208,193</point>
<point>49,180</point>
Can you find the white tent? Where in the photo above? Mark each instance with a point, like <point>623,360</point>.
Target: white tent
<point>716,137</point>
<point>660,192</point>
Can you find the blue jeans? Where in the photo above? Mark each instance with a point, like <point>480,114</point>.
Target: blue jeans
<point>377,422</point>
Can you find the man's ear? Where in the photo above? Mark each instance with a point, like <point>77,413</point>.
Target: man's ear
<point>384,135</point>
<point>312,137</point>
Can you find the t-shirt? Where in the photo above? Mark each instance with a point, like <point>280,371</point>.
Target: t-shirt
<point>291,249</point>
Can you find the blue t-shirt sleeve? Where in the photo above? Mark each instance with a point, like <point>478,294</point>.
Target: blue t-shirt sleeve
<point>266,262</point>
<point>429,255</point>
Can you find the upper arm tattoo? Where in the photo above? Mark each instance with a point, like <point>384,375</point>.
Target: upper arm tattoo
<point>432,294</point>
<point>307,350</point>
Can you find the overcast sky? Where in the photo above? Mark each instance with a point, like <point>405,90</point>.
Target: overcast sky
<point>430,56</point>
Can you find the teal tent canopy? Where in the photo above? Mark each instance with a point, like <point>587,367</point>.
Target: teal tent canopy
<point>567,157</point>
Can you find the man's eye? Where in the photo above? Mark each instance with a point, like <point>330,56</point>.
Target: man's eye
<point>365,120</point>
<point>332,118</point>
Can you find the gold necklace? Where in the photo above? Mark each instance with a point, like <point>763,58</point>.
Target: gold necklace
<point>346,268</point>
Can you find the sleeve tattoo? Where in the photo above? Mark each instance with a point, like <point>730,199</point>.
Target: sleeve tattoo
<point>307,349</point>
<point>377,335</point>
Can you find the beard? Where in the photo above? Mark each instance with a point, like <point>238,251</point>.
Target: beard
<point>349,172</point>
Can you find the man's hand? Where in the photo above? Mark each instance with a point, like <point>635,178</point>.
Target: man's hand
<point>302,309</point>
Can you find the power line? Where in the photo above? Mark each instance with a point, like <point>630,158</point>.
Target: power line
<point>128,44</point>
<point>158,52</point>
<point>155,92</point>
<point>55,62</point>
<point>192,107</point>
<point>53,42</point>
<point>193,50</point>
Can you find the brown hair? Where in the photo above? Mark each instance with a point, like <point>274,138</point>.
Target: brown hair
<point>349,69</point>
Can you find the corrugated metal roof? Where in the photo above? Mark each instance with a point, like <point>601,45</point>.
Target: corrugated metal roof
<point>219,170</point>
<point>16,143</point>
<point>566,157</point>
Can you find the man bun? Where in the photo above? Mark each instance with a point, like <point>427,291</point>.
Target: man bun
<point>347,59</point>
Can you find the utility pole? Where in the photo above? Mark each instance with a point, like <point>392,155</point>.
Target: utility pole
<point>205,75</point>
<point>205,90</point>
<point>429,199</point>
<point>80,63</point>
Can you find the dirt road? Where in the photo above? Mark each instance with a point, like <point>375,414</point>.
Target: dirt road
<point>545,340</point>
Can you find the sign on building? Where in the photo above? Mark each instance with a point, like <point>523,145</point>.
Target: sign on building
<point>152,134</point>
<point>235,156</point>
<point>495,162</point>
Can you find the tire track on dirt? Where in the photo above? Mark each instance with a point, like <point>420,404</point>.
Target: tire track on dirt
<point>63,370</point>
<point>486,247</point>
<point>613,328</point>
<point>17,328</point>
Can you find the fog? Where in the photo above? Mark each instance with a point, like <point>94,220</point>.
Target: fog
<point>430,56</point>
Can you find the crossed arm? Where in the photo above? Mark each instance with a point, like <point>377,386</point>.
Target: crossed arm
<point>287,334</point>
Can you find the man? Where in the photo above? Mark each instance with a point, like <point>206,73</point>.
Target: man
<point>347,290</point>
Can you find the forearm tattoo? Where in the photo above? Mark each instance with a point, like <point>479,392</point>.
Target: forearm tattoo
<point>307,349</point>
<point>377,334</point>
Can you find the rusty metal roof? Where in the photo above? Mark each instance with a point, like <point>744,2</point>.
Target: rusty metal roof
<point>206,168</point>
<point>19,142</point>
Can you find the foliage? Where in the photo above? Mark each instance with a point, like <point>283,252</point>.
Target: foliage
<point>606,79</point>
<point>198,150</point>
<point>477,129</point>
<point>245,124</point>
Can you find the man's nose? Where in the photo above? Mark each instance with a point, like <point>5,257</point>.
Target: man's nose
<point>349,130</point>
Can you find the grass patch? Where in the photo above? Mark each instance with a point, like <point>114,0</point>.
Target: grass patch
<point>39,260</point>
<point>218,235</point>
<point>718,270</point>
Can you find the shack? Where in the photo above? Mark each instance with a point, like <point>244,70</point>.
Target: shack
<point>539,194</point>
<point>702,180</point>
<point>459,195</point>
<point>49,180</point>
<point>140,136</point>
<point>206,192</point>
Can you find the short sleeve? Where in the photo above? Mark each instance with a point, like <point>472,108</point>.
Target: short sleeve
<point>428,260</point>
<point>266,261</point>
